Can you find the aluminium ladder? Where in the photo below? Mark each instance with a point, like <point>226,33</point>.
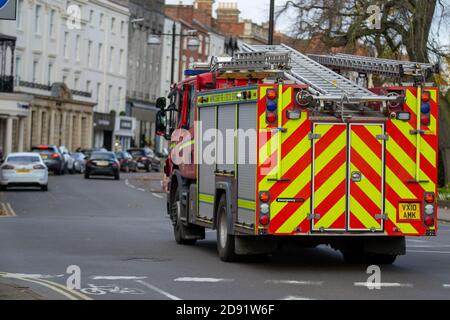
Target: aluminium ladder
<point>326,84</point>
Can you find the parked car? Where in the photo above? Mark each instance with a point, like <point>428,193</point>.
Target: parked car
<point>78,163</point>
<point>102,164</point>
<point>127,163</point>
<point>68,160</point>
<point>52,158</point>
<point>23,169</point>
<point>88,152</point>
<point>145,158</point>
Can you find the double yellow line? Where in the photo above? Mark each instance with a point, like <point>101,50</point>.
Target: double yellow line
<point>56,287</point>
<point>6,210</point>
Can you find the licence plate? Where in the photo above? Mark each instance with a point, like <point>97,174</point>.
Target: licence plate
<point>102,163</point>
<point>23,171</point>
<point>409,211</point>
<point>44,156</point>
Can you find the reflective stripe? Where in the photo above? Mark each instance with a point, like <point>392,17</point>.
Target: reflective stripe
<point>207,198</point>
<point>247,204</point>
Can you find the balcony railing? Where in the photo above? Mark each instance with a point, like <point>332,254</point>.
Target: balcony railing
<point>6,83</point>
<point>45,87</point>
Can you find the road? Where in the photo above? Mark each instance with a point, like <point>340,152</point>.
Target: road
<point>120,238</point>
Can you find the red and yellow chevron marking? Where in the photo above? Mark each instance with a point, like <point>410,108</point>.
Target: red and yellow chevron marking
<point>295,155</point>
<point>401,163</point>
<point>366,157</point>
<point>330,176</point>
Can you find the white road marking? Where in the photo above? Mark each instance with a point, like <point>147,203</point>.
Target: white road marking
<point>417,240</point>
<point>156,289</point>
<point>296,298</point>
<point>383,284</point>
<point>446,286</point>
<point>34,276</point>
<point>194,279</point>
<point>429,246</point>
<point>117,278</point>
<point>295,282</point>
<point>157,195</point>
<point>140,189</point>
<point>11,211</point>
<point>430,251</point>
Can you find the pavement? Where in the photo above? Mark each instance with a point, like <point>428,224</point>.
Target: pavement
<point>115,238</point>
<point>444,214</point>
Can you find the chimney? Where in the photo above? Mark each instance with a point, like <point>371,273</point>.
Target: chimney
<point>203,11</point>
<point>228,12</point>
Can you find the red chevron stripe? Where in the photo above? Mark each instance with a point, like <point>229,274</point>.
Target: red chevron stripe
<point>366,202</point>
<point>368,139</point>
<point>403,175</point>
<point>328,203</point>
<point>286,213</point>
<point>334,164</point>
<point>332,134</point>
<point>365,168</point>
<point>299,134</point>
<point>339,223</point>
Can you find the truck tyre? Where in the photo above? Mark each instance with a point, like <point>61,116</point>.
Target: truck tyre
<point>225,242</point>
<point>180,231</point>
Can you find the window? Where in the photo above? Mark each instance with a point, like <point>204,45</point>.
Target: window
<point>64,79</point>
<point>119,96</point>
<point>122,27</point>
<point>51,27</point>
<point>66,45</point>
<point>37,19</point>
<point>35,71</point>
<point>75,83</point>
<point>101,21</point>
<point>77,47</point>
<point>111,59</point>
<point>100,55</point>
<point>91,17</point>
<point>88,86</point>
<point>18,66</point>
<point>99,89</point>
<point>89,52</point>
<point>121,62</point>
<point>113,22</point>
<point>50,73</point>
<point>110,98</point>
<point>19,14</point>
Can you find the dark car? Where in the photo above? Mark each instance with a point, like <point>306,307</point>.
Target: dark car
<point>146,159</point>
<point>102,164</point>
<point>52,158</point>
<point>127,163</point>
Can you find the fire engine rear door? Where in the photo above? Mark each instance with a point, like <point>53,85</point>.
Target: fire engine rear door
<point>329,198</point>
<point>365,181</point>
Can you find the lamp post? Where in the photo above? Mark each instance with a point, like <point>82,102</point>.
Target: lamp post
<point>271,21</point>
<point>193,44</point>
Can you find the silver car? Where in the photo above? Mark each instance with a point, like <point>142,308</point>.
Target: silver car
<point>24,169</point>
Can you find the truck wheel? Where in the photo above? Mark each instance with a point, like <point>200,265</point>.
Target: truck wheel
<point>225,242</point>
<point>180,231</point>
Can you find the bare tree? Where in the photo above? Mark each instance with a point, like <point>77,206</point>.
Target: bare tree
<point>390,28</point>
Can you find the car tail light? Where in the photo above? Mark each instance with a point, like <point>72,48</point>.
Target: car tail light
<point>39,167</point>
<point>55,155</point>
<point>114,164</point>
<point>264,220</point>
<point>143,158</point>
<point>429,197</point>
<point>7,167</point>
<point>264,196</point>
<point>88,163</point>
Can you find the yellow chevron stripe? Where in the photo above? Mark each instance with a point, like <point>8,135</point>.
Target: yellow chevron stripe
<point>400,188</point>
<point>332,215</point>
<point>366,153</point>
<point>296,219</point>
<point>362,215</point>
<point>433,94</point>
<point>373,192</point>
<point>392,216</point>
<point>294,187</point>
<point>325,190</point>
<point>334,148</point>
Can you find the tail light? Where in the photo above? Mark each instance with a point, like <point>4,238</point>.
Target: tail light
<point>39,167</point>
<point>7,167</point>
<point>429,209</point>
<point>88,163</point>
<point>143,158</point>
<point>55,155</point>
<point>271,106</point>
<point>264,196</point>
<point>425,109</point>
<point>115,165</point>
<point>264,220</point>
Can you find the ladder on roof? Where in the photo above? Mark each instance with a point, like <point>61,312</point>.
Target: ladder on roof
<point>386,67</point>
<point>324,83</point>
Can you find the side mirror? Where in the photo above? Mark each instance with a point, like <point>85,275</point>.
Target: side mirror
<point>161,103</point>
<point>161,123</point>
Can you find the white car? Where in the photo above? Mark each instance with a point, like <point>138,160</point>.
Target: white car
<point>23,170</point>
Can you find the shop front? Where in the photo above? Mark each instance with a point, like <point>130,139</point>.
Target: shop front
<point>125,130</point>
<point>104,124</point>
